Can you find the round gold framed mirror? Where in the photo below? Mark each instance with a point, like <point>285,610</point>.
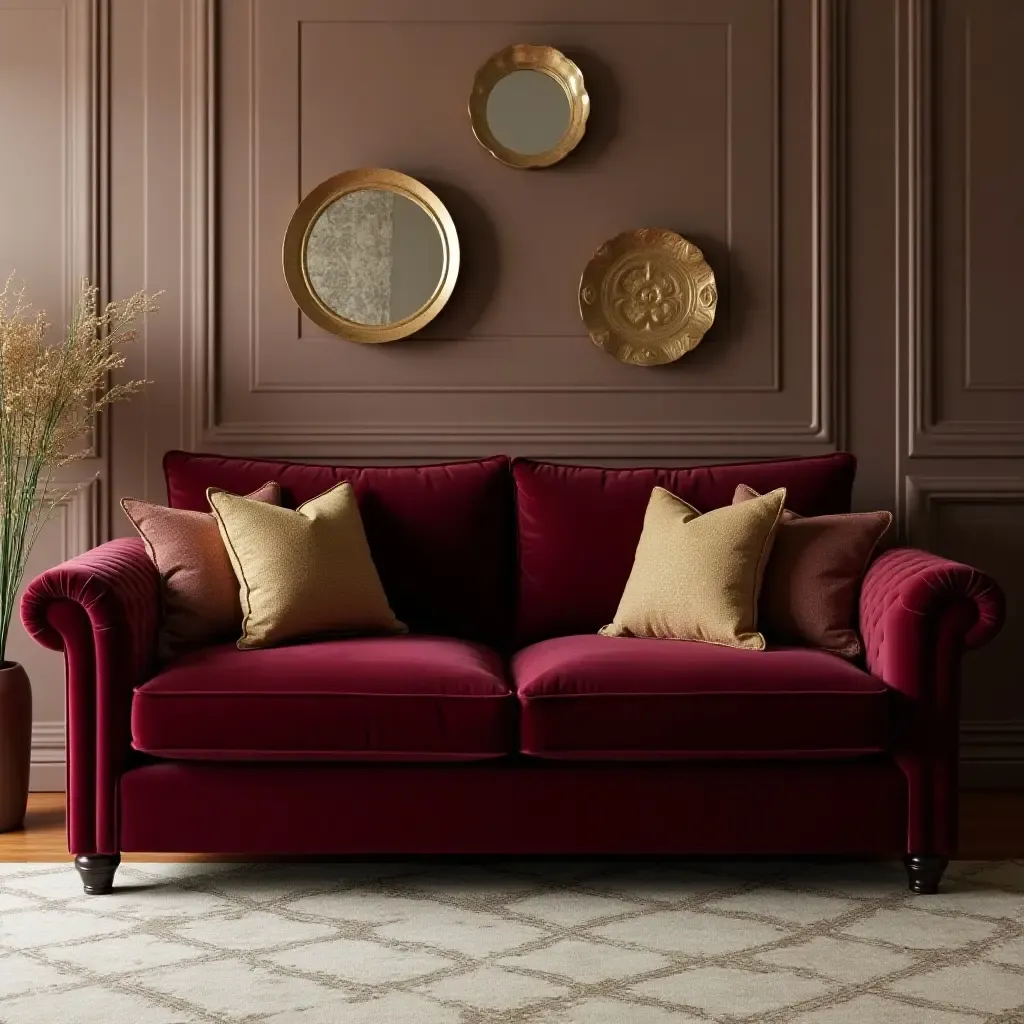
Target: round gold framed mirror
<point>371,255</point>
<point>529,106</point>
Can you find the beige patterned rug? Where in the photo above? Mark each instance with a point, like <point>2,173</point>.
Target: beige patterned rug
<point>512,943</point>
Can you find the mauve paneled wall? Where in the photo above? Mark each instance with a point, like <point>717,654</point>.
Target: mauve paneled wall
<point>848,166</point>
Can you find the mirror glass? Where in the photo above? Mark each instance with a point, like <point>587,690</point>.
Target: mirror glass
<point>374,256</point>
<point>528,112</point>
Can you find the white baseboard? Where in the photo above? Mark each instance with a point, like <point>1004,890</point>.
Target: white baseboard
<point>991,756</point>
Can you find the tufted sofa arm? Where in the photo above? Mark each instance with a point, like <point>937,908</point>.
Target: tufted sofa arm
<point>918,613</point>
<point>914,604</point>
<point>102,610</point>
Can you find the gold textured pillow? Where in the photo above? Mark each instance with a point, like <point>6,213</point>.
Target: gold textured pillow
<point>697,577</point>
<point>302,572</point>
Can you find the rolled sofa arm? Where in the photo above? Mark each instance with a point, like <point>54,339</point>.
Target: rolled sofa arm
<point>913,605</point>
<point>102,610</point>
<point>918,614</point>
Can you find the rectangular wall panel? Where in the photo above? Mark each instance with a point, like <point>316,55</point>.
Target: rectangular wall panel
<point>970,373</point>
<point>732,148</point>
<point>48,212</point>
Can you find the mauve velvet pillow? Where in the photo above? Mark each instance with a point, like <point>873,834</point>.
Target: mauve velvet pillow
<point>810,588</point>
<point>200,592</point>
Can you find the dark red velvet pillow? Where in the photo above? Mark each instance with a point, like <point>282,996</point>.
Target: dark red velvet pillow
<point>579,527</point>
<point>812,581</point>
<point>442,537</point>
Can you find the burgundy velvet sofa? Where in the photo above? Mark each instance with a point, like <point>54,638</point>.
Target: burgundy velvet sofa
<point>503,724</point>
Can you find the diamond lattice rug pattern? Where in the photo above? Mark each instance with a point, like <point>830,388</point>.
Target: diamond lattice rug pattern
<point>512,943</point>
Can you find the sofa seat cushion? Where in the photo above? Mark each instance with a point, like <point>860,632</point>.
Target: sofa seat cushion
<point>395,698</point>
<point>596,697</point>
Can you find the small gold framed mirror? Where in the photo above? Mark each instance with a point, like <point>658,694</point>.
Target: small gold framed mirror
<point>371,255</point>
<point>529,106</point>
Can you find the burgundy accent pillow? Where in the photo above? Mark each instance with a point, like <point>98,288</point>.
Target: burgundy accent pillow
<point>198,586</point>
<point>812,581</point>
<point>579,527</point>
<point>442,537</point>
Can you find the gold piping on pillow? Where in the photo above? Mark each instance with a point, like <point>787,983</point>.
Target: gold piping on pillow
<point>302,572</point>
<point>698,577</point>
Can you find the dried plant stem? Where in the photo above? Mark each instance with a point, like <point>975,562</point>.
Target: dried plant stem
<point>49,395</point>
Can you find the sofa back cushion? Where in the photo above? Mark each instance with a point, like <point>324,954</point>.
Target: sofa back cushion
<point>579,526</point>
<point>442,537</point>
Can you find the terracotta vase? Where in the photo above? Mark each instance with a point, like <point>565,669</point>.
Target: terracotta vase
<point>15,744</point>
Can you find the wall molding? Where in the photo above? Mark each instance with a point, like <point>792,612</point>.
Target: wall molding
<point>82,516</point>
<point>929,435</point>
<point>99,200</point>
<point>825,431</point>
<point>83,504</point>
<point>48,772</point>
<point>916,74</point>
<point>992,741</point>
<point>80,185</point>
<point>992,754</point>
<point>307,331</point>
<point>85,199</point>
<point>924,493</point>
<point>202,217</point>
<point>577,440</point>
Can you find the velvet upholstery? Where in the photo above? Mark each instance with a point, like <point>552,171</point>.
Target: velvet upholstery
<point>588,697</point>
<point>515,808</point>
<point>918,614</point>
<point>393,698</point>
<point>198,589</point>
<point>102,609</point>
<point>442,537</point>
<point>810,589</point>
<point>579,527</point>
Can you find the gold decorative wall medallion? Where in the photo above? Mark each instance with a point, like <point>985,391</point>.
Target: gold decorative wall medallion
<point>371,255</point>
<point>528,106</point>
<point>648,296</point>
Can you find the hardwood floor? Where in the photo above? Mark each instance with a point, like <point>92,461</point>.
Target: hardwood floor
<point>991,827</point>
<point>43,837</point>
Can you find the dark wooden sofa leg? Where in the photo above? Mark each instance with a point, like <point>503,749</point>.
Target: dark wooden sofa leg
<point>924,873</point>
<point>97,871</point>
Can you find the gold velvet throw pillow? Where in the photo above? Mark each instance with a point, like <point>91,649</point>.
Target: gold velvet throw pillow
<point>302,572</point>
<point>697,577</point>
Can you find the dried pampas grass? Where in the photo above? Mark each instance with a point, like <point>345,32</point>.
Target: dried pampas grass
<point>49,394</point>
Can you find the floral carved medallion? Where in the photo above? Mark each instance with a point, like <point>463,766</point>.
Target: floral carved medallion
<point>648,296</point>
